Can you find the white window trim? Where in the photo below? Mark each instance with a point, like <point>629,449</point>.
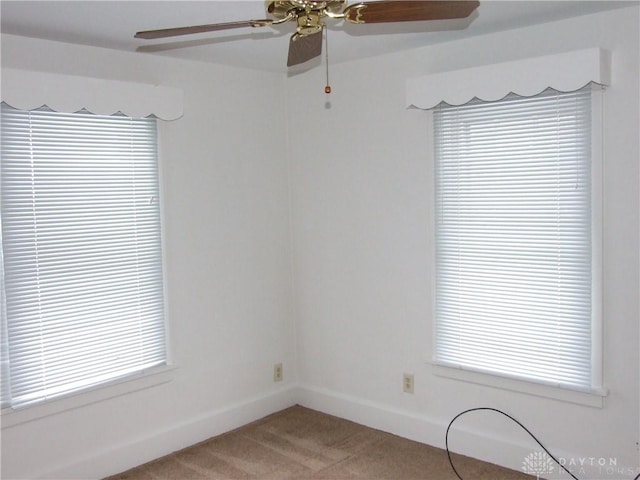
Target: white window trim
<point>565,72</point>
<point>150,378</point>
<point>29,90</point>
<point>593,397</point>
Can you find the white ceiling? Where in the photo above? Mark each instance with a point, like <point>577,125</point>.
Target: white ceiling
<point>112,24</point>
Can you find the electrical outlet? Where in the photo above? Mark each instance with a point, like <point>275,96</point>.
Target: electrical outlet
<point>407,383</point>
<point>277,372</point>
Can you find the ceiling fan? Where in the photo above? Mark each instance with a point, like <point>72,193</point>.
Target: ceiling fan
<point>309,16</point>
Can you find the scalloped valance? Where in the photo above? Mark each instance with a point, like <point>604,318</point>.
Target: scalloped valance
<point>565,72</point>
<point>28,90</point>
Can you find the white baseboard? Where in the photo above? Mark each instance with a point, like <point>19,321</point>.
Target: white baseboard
<point>420,428</point>
<point>144,449</point>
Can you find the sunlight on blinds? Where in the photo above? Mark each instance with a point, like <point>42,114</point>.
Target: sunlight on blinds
<point>514,251</point>
<point>81,249</point>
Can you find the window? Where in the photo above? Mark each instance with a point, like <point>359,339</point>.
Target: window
<point>81,252</point>
<point>515,248</point>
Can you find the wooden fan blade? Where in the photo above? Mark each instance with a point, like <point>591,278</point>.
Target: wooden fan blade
<point>174,32</point>
<point>303,48</point>
<point>409,11</point>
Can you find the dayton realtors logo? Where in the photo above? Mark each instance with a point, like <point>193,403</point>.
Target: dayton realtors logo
<point>542,465</point>
<point>538,463</point>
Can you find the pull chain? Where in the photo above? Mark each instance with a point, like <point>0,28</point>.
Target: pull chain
<point>327,88</point>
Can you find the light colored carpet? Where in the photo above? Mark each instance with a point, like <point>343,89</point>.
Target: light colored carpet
<point>300,444</point>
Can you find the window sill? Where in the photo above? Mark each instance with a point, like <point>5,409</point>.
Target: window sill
<point>592,398</point>
<point>133,383</point>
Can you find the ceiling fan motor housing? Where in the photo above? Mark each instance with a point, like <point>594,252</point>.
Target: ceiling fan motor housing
<point>308,13</point>
<point>309,23</point>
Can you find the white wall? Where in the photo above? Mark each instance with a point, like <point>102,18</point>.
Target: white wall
<point>357,185</point>
<point>363,239</point>
<point>227,249</point>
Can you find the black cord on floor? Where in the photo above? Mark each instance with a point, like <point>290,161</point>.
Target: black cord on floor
<point>446,439</point>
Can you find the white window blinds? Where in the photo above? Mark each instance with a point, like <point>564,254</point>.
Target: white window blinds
<point>514,237</point>
<point>81,251</point>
